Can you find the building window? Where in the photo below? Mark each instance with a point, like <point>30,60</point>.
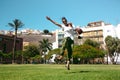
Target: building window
<point>0,39</point>
<point>96,33</point>
<point>4,48</point>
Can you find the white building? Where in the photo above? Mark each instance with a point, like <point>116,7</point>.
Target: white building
<point>117,29</point>
<point>109,30</point>
<point>59,37</point>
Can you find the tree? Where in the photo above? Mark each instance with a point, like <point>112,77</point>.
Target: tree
<point>92,43</point>
<point>1,56</point>
<point>113,47</point>
<point>16,24</point>
<point>86,53</point>
<point>19,56</point>
<point>45,45</point>
<point>54,51</point>
<point>30,52</point>
<point>46,31</point>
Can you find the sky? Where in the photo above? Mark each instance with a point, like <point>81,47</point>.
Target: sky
<point>80,12</point>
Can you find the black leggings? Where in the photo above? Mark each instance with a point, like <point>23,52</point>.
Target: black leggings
<point>67,44</point>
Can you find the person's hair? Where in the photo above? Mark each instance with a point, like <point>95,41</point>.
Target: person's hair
<point>64,18</point>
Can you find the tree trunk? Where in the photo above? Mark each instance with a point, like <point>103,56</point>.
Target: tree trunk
<point>117,57</point>
<point>14,46</point>
<point>112,60</point>
<point>13,61</point>
<point>107,58</point>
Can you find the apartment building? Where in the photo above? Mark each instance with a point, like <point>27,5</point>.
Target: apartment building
<point>98,31</point>
<point>6,43</point>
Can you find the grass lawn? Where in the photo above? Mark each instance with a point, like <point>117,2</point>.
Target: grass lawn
<point>59,72</point>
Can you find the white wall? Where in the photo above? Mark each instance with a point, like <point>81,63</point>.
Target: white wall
<point>118,31</point>
<point>108,30</point>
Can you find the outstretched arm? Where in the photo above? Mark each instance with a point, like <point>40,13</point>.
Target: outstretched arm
<point>48,18</point>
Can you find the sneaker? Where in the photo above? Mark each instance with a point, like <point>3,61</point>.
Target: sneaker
<point>68,65</point>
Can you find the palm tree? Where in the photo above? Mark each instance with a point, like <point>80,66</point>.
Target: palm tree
<point>16,24</point>
<point>44,46</point>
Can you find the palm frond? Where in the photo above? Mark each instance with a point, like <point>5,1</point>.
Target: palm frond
<point>11,24</point>
<point>45,44</point>
<point>18,23</point>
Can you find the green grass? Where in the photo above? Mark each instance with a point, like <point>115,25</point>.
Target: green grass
<point>59,72</point>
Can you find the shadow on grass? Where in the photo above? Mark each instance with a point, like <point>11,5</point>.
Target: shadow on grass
<point>80,72</point>
<point>73,72</point>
